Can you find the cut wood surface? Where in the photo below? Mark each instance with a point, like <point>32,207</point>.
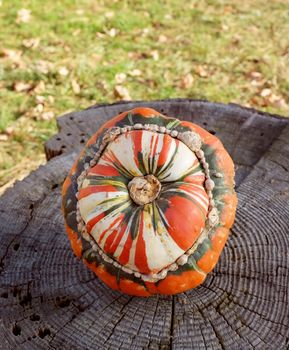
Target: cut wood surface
<point>49,300</point>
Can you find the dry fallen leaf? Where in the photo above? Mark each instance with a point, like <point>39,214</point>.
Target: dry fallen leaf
<point>135,73</point>
<point>145,31</point>
<point>100,35</point>
<point>20,86</point>
<point>255,75</point>
<point>187,81</point>
<point>32,43</point>
<point>43,67</point>
<point>3,137</point>
<point>162,39</point>
<point>10,54</point>
<point>40,99</point>
<point>155,55</point>
<point>13,56</point>
<point>39,87</point>
<point>50,99</point>
<point>277,101</point>
<point>120,78</point>
<point>111,32</point>
<point>257,83</point>
<point>23,16</point>
<point>201,71</point>
<point>236,39</point>
<point>109,14</point>
<point>122,92</point>
<point>63,71</point>
<point>39,108</point>
<point>75,86</point>
<point>265,92</point>
<point>228,9</point>
<point>257,79</point>
<point>47,115</point>
<point>134,55</point>
<point>9,131</point>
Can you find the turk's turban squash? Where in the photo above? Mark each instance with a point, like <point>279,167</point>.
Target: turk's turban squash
<point>149,203</point>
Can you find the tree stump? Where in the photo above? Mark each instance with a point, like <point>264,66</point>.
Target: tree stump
<point>49,300</point>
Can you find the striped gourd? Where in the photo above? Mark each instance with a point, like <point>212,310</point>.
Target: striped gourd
<point>149,203</point>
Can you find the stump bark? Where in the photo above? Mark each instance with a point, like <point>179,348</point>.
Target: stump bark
<point>49,300</point>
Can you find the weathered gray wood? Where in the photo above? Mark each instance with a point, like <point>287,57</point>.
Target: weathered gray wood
<point>49,300</point>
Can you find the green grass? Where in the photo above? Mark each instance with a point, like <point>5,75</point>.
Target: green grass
<point>232,51</point>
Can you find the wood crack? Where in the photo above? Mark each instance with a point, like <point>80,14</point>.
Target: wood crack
<point>172,322</point>
<point>29,219</point>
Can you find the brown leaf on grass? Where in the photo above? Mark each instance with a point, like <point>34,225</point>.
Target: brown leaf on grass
<point>255,75</point>
<point>3,137</point>
<point>186,81</point>
<point>63,71</point>
<point>21,86</point>
<point>279,102</point>
<point>258,83</point>
<point>162,39</point>
<point>43,66</point>
<point>50,99</point>
<point>272,99</point>
<point>9,130</point>
<point>111,32</point>
<point>255,101</point>
<point>145,32</point>
<point>109,14</point>
<point>120,78</point>
<point>202,71</point>
<point>23,16</point>
<point>40,99</point>
<point>228,9</point>
<point>155,55</point>
<point>122,92</point>
<point>257,79</point>
<point>100,35</point>
<point>75,86</point>
<point>14,56</point>
<point>67,48</point>
<point>39,108</point>
<point>32,43</point>
<point>39,87</point>
<point>134,55</point>
<point>47,115</point>
<point>265,92</point>
<point>236,39</point>
<point>135,73</point>
<point>31,113</point>
<point>266,97</point>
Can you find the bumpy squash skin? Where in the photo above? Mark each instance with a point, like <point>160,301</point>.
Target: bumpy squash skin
<point>204,259</point>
